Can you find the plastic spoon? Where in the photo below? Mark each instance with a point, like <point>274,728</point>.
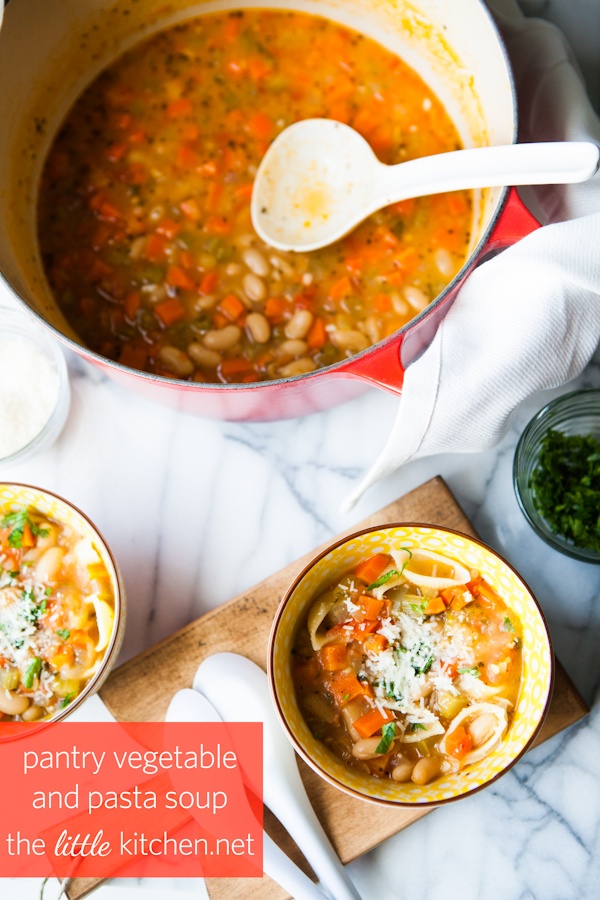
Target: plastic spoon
<point>240,692</point>
<point>190,706</point>
<point>319,179</point>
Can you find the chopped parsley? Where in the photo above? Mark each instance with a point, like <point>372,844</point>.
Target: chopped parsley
<point>65,634</point>
<point>388,733</point>
<point>33,670</point>
<point>508,625</point>
<point>383,579</point>
<point>566,486</point>
<point>66,700</point>
<point>474,671</point>
<point>17,521</point>
<point>416,726</point>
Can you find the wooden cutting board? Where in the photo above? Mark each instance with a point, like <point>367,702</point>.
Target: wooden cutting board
<point>242,625</point>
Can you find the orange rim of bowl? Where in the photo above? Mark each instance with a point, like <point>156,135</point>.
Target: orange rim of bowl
<point>379,801</point>
<point>119,605</point>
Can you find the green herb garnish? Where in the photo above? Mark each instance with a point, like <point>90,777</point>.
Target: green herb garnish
<point>17,521</point>
<point>416,726</point>
<point>388,733</point>
<point>508,625</point>
<point>33,670</point>
<point>566,487</point>
<point>66,700</point>
<point>469,671</point>
<point>383,579</point>
<point>65,634</point>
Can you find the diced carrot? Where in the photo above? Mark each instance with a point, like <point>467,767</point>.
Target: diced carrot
<point>220,320</point>
<point>385,236</point>
<point>217,225</point>
<point>340,111</point>
<point>244,191</point>
<point>382,303</point>
<point>317,335</point>
<point>345,686</point>
<point>231,28</point>
<point>213,197</point>
<point>131,304</point>
<point>134,357</point>
<point>190,209</point>
<point>187,156</point>
<point>100,204</point>
<point>370,569</point>
<point>208,282</point>
<point>372,721</point>
<point>258,68</point>
<point>237,370</point>
<point>180,107</point>
<point>122,120</point>
<point>333,657</point>
<point>371,607</point>
<point>137,136</point>
<point>155,249</point>
<point>169,228</point>
<point>366,121</point>
<point>186,259</point>
<point>362,630</point>
<point>176,277</point>
<point>27,538</point>
<point>115,152</point>
<point>354,264</point>
<point>404,207</point>
<point>458,742</point>
<point>260,126</point>
<point>191,131</point>
<point>340,289</point>
<point>232,307</point>
<point>169,311</point>
<point>457,204</point>
<point>275,308</point>
<point>435,605</point>
<point>482,589</point>
<point>65,656</point>
<point>375,643</point>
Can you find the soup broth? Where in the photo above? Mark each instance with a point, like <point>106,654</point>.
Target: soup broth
<point>144,203</point>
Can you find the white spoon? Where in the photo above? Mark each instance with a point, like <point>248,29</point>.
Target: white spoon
<point>190,706</point>
<point>240,692</point>
<point>319,179</point>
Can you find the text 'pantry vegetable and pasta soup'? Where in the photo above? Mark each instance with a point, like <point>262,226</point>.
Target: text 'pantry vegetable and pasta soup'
<point>57,610</point>
<point>144,205</point>
<point>408,667</point>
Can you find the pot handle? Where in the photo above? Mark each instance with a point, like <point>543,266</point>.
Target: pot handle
<point>514,223</point>
<point>381,369</point>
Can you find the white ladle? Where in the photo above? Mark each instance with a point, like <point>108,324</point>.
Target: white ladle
<point>319,179</point>
<point>190,706</point>
<point>240,692</point>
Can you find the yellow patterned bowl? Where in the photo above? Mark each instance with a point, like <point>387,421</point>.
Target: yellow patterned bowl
<point>16,496</point>
<point>536,677</point>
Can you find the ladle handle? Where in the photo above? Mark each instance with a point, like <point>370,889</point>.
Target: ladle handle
<point>561,162</point>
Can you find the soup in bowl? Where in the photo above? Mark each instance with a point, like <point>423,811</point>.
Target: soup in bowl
<point>410,665</point>
<point>62,613</point>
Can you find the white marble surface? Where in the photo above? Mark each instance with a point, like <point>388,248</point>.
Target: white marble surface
<point>197,511</point>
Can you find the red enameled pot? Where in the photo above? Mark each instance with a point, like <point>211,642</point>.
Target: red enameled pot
<point>50,50</point>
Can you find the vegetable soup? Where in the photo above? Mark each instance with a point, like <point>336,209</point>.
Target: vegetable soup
<point>56,614</point>
<point>409,666</point>
<point>144,204</point>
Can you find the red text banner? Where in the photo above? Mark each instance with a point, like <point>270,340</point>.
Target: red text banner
<point>131,799</point>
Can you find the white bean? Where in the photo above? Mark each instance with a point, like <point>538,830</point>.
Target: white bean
<point>299,325</point>
<point>233,268</point>
<point>256,262</point>
<point>366,748</point>
<point>349,339</point>
<point>426,769</point>
<point>202,356</point>
<point>416,297</point>
<point>292,349</point>
<point>298,367</point>
<point>400,305</point>
<point>176,361</point>
<point>258,326</point>
<point>254,287</point>
<point>307,278</point>
<point>278,263</point>
<point>48,566</point>
<point>32,714</point>
<point>202,303</point>
<point>444,262</point>
<point>402,771</point>
<point>222,338</point>
<point>372,329</point>
<point>482,728</point>
<point>12,704</point>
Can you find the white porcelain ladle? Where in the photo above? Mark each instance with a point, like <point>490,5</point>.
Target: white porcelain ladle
<point>190,706</point>
<point>240,692</point>
<point>319,179</point>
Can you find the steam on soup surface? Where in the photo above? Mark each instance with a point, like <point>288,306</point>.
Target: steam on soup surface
<point>144,205</point>
<point>409,666</point>
<point>56,614</point>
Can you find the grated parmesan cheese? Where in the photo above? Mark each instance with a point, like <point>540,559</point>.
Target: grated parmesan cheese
<point>29,386</point>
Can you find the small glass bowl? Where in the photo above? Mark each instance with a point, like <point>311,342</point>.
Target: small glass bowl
<point>15,324</point>
<point>577,413</point>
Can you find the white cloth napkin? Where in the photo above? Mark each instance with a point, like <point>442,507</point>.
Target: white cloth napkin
<point>529,319</point>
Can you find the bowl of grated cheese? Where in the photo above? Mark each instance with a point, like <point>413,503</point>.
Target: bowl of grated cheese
<point>34,388</point>
<point>410,665</point>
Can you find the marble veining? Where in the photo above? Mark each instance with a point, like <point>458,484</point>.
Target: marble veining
<point>198,511</point>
